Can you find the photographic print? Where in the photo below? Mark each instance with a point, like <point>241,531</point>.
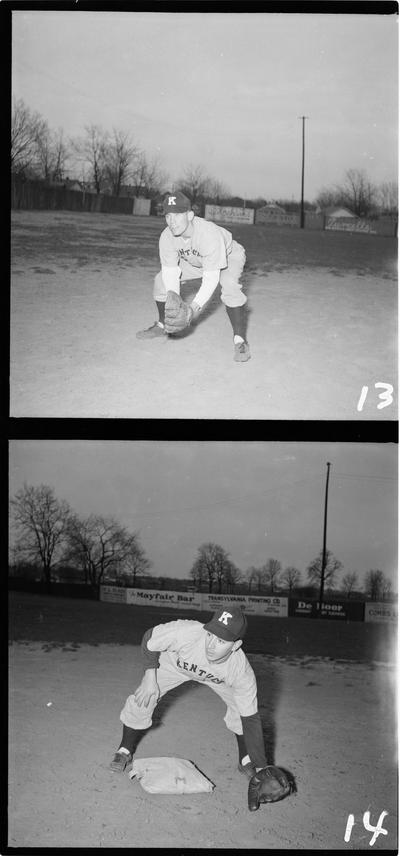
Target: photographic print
<point>203,645</point>
<point>204,215</point>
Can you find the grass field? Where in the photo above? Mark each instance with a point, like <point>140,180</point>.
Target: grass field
<point>87,238</point>
<point>321,325</point>
<point>62,621</point>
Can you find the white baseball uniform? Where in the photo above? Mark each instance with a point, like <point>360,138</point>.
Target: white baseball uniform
<point>210,249</point>
<point>177,650</point>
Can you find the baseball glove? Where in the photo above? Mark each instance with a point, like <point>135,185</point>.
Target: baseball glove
<point>178,314</point>
<point>268,785</point>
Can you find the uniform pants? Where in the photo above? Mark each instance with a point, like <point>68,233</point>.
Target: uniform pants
<point>231,289</point>
<point>168,677</point>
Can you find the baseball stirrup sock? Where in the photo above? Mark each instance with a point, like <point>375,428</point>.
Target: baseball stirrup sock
<point>161,311</point>
<point>237,317</point>
<point>130,738</point>
<point>241,746</point>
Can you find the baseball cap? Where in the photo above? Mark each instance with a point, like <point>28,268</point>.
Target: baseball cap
<point>176,203</point>
<point>228,622</point>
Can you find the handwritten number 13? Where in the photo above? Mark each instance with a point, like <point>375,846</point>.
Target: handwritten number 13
<point>386,396</point>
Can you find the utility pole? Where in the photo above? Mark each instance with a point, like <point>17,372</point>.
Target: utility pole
<point>303,118</point>
<point>323,566</point>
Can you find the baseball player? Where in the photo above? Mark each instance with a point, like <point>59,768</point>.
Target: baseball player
<point>192,248</point>
<point>210,654</point>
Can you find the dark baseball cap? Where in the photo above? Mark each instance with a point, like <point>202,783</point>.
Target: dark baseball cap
<point>176,203</point>
<point>228,622</point>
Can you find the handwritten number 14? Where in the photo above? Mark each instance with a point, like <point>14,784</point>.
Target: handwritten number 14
<point>377,830</point>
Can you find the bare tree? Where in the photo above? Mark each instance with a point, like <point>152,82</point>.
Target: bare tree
<point>233,576</point>
<point>120,154</point>
<point>98,545</point>
<point>291,578</point>
<point>61,155</point>
<point>217,191</point>
<point>213,563</point>
<point>388,196</point>
<point>386,588</point>
<point>349,583</point>
<point>25,125</point>
<point>250,575</point>
<point>314,570</point>
<point>272,569</point>
<point>91,152</point>
<point>135,561</point>
<point>50,153</point>
<point>256,576</point>
<point>148,177</point>
<point>41,521</point>
<point>223,566</point>
<point>198,573</point>
<point>194,183</point>
<point>374,582</point>
<point>358,192</point>
<point>329,198</point>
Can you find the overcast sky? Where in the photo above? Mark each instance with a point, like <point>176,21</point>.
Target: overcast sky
<point>257,500</point>
<point>222,90</point>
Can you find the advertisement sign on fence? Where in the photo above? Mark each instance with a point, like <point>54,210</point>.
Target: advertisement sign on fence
<point>382,612</point>
<point>153,597</point>
<point>269,605</point>
<point>229,214</point>
<point>113,594</point>
<point>340,610</point>
<point>272,606</point>
<point>351,224</point>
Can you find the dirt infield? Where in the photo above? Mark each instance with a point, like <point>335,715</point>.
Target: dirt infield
<point>322,325</point>
<point>330,722</point>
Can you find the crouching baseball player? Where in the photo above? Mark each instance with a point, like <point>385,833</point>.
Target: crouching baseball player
<point>193,248</point>
<point>210,654</point>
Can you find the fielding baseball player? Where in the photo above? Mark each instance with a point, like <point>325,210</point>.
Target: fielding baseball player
<point>210,654</point>
<point>192,248</point>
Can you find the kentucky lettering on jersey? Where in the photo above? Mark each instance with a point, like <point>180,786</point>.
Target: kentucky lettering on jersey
<point>181,645</point>
<point>201,673</point>
<point>207,248</point>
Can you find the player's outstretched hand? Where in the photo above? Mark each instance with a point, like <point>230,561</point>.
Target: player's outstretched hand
<point>147,690</point>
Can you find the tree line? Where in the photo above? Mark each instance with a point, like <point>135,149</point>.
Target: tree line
<point>112,162</point>
<point>213,568</point>
<point>51,536</point>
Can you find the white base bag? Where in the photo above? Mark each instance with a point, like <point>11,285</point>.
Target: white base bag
<point>170,776</point>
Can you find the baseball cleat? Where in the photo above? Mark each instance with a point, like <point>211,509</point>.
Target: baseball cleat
<point>120,761</point>
<point>153,332</point>
<point>241,352</point>
<point>248,770</point>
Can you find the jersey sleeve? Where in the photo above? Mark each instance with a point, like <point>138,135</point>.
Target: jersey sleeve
<point>166,637</point>
<point>169,256</point>
<point>254,739</point>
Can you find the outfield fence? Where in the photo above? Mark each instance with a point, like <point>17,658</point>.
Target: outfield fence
<point>38,195</point>
<point>273,606</point>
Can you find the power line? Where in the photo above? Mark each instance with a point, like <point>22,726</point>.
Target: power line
<point>357,476</point>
